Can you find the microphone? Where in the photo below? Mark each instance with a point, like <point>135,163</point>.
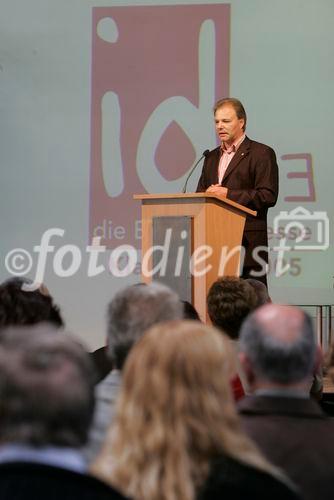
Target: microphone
<point>204,155</point>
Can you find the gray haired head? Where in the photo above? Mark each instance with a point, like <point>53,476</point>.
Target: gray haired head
<point>46,388</point>
<point>279,342</point>
<point>135,309</point>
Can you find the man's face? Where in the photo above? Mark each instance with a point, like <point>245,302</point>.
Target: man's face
<point>229,127</point>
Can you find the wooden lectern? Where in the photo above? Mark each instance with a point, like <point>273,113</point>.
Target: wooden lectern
<point>188,240</point>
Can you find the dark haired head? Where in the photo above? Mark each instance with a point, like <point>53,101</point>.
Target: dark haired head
<point>230,300</point>
<point>261,291</point>
<point>21,306</point>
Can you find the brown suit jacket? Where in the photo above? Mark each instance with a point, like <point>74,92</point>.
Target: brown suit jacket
<point>295,435</point>
<point>252,180</point>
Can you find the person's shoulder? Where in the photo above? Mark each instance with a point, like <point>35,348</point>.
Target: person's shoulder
<point>213,152</point>
<point>241,481</point>
<point>259,147</point>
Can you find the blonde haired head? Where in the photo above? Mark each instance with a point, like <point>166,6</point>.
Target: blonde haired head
<point>175,414</point>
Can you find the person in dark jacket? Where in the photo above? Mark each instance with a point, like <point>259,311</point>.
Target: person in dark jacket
<point>279,354</point>
<point>244,171</point>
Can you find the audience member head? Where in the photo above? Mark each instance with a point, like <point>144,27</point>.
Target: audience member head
<point>175,414</point>
<point>229,301</point>
<point>261,291</point>
<point>189,311</point>
<point>132,311</point>
<point>278,347</point>
<point>46,388</point>
<point>20,305</point>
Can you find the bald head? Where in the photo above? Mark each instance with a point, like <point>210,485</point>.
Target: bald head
<point>280,344</point>
<point>284,323</point>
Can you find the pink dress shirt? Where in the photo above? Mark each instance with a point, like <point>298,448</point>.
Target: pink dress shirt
<point>226,157</point>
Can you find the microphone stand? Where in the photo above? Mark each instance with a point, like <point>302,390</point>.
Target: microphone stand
<point>204,155</point>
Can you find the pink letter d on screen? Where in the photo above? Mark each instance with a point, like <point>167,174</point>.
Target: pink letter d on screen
<point>156,74</point>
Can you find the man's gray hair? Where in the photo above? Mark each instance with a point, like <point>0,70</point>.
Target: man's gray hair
<point>46,388</point>
<point>277,360</point>
<point>135,309</point>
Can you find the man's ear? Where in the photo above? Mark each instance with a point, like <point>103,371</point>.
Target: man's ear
<point>246,367</point>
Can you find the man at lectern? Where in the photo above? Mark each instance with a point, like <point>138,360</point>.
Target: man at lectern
<point>246,172</point>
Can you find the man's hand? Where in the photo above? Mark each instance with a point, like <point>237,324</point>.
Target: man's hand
<point>217,189</point>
